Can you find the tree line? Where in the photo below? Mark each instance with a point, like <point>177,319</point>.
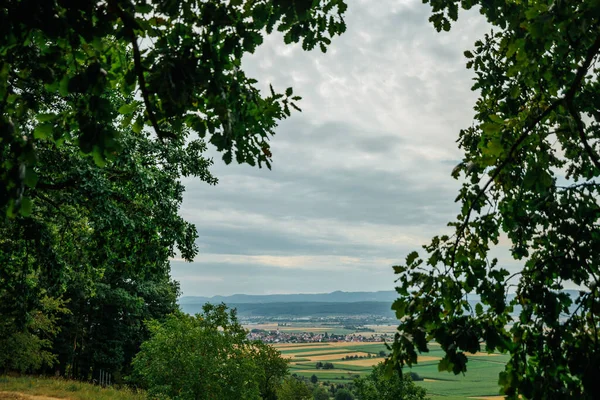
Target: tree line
<point>106,105</point>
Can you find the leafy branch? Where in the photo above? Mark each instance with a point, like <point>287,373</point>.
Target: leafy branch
<point>128,24</point>
<point>568,98</point>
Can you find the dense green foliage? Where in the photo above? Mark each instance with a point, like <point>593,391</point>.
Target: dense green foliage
<point>100,240</point>
<point>343,394</point>
<point>293,388</point>
<point>530,172</point>
<point>378,386</point>
<point>59,59</point>
<point>104,107</point>
<point>207,356</point>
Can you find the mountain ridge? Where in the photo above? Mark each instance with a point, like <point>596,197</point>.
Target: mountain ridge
<point>337,296</point>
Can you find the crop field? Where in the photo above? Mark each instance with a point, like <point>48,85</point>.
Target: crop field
<point>300,328</point>
<point>480,381</point>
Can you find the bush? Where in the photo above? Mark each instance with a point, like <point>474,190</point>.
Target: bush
<point>206,356</point>
<point>377,386</point>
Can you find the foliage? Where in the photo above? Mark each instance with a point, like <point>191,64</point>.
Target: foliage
<point>314,379</point>
<point>65,388</point>
<point>378,386</point>
<point>272,366</point>
<point>530,174</point>
<point>206,356</point>
<point>343,394</point>
<point>28,348</point>
<point>59,60</point>
<point>319,393</point>
<point>102,239</point>
<point>294,389</point>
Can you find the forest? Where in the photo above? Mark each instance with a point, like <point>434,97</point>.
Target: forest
<point>106,107</point>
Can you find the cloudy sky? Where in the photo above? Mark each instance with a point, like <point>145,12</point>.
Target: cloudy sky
<point>360,178</point>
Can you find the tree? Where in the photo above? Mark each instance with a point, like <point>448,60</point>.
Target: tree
<point>314,379</point>
<point>343,394</point>
<point>378,386</point>
<point>273,368</point>
<point>58,61</point>
<point>101,239</point>
<point>294,389</point>
<point>319,393</point>
<point>529,173</point>
<point>28,348</point>
<point>206,356</point>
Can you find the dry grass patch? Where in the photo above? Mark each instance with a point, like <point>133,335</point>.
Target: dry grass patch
<point>345,344</point>
<point>299,345</point>
<point>19,396</point>
<point>307,348</point>
<point>488,398</point>
<point>427,358</point>
<point>365,362</point>
<point>480,354</point>
<point>309,354</point>
<point>338,356</point>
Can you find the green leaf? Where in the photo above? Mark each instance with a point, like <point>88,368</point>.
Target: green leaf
<point>478,309</point>
<point>26,207</point>
<point>288,92</point>
<point>496,119</point>
<point>43,131</point>
<point>128,108</point>
<point>411,258</point>
<point>98,156</point>
<point>494,148</point>
<point>490,128</point>
<point>227,157</point>
<point>31,177</point>
<point>46,117</point>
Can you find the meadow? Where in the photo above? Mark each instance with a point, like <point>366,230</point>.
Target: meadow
<point>480,381</point>
<point>43,388</point>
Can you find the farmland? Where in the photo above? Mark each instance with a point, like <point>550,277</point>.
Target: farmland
<point>353,359</point>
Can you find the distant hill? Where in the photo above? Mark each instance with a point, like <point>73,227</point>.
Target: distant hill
<point>334,297</point>
<point>320,304</point>
<point>304,309</point>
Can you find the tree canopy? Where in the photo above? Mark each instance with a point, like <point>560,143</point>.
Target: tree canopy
<point>104,107</point>
<point>530,179</point>
<point>183,59</point>
<point>206,356</point>
<point>378,386</point>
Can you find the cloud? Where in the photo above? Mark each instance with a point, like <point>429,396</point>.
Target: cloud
<point>360,178</point>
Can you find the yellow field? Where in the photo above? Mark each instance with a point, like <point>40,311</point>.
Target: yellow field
<point>365,362</point>
<point>317,348</point>
<point>345,344</point>
<point>299,328</point>
<point>335,356</point>
<point>290,346</point>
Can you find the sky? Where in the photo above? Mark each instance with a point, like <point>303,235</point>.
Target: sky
<point>360,178</point>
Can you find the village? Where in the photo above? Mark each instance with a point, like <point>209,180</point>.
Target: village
<point>281,336</point>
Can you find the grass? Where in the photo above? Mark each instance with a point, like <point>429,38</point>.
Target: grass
<point>62,388</point>
<point>480,380</point>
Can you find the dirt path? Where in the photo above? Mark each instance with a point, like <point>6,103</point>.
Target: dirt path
<point>21,396</point>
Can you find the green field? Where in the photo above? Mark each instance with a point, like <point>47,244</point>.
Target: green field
<point>480,380</point>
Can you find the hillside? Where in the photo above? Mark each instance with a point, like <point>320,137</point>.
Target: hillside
<point>333,297</point>
<point>303,309</point>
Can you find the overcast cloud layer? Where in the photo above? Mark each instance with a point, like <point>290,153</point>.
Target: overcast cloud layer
<point>360,178</point>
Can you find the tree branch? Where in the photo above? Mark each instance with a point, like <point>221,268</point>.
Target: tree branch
<point>128,24</point>
<point>581,131</point>
<point>581,72</point>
